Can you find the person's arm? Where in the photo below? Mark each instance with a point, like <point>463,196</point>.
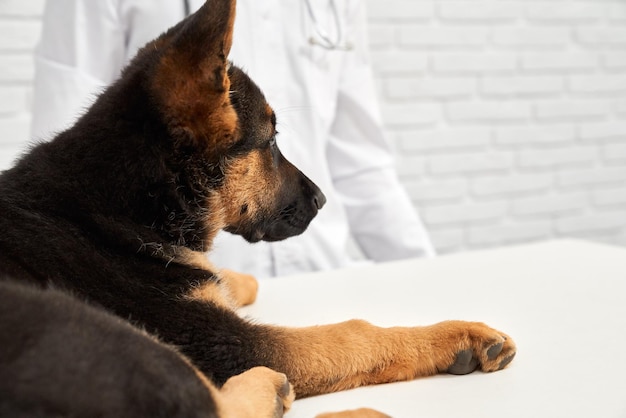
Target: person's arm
<point>82,49</point>
<point>382,218</point>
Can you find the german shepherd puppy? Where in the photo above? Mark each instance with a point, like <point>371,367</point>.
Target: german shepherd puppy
<point>108,306</point>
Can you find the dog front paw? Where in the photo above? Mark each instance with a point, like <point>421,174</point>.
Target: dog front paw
<point>356,413</point>
<point>473,345</point>
<point>242,288</point>
<point>257,393</point>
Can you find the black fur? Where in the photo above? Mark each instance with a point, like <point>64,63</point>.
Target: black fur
<point>66,359</point>
<point>102,211</point>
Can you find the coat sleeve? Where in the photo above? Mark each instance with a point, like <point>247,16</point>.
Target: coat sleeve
<point>82,49</point>
<point>382,218</point>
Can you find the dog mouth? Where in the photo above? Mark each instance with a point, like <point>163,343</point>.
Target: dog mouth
<point>289,222</point>
<point>255,236</point>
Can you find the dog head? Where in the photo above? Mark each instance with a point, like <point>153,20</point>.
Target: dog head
<point>265,197</point>
<point>223,131</point>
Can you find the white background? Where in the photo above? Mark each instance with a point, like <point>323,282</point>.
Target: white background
<point>508,116</point>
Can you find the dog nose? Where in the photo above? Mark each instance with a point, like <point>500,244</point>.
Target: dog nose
<point>312,192</point>
<point>319,200</point>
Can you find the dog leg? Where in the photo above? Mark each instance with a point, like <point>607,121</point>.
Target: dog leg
<point>243,288</point>
<point>355,413</point>
<point>331,358</point>
<point>235,289</point>
<point>257,393</point>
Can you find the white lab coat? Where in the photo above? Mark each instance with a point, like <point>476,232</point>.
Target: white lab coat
<point>325,102</point>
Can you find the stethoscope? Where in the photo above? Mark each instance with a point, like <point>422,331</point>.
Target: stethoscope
<point>322,38</point>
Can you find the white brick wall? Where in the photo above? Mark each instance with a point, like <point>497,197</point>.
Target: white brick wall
<point>508,116</point>
<point>20,27</point>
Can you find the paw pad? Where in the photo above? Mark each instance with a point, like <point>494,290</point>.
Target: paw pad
<point>464,363</point>
<point>488,353</point>
<point>506,361</point>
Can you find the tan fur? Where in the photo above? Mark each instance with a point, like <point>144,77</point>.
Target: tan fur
<point>187,108</point>
<point>212,292</point>
<point>194,88</point>
<point>231,290</point>
<point>243,288</point>
<point>195,259</point>
<point>270,129</point>
<point>355,413</point>
<point>257,393</point>
<point>355,353</point>
<point>249,182</point>
<point>244,180</point>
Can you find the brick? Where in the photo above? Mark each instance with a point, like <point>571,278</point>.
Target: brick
<point>19,35</point>
<point>560,109</point>
<point>613,84</point>
<point>614,60</point>
<point>399,10</point>
<point>465,163</point>
<point>426,37</point>
<point>612,152</point>
<point>8,156</point>
<point>461,213</point>
<point>605,220</point>
<point>603,130</point>
<point>398,62</point>
<point>551,204</point>
<point>423,191</point>
<point>447,240</point>
<point>444,139</point>
<point>591,176</point>
<point>531,37</point>
<point>559,61</point>
<point>429,88</point>
<point>410,168</point>
<point>550,158</point>
<point>488,111</point>
<point>479,10</point>
<point>380,36</point>
<point>14,99</point>
<point>602,36</point>
<point>617,12</point>
<point>525,84</point>
<point>483,63</point>
<point>565,11</point>
<point>16,67</point>
<point>403,114</point>
<point>21,8</point>
<point>509,233</point>
<point>15,131</point>
<point>511,184</point>
<point>553,134</point>
<point>609,197</point>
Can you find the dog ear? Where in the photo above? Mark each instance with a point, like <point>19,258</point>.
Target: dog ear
<point>191,82</point>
